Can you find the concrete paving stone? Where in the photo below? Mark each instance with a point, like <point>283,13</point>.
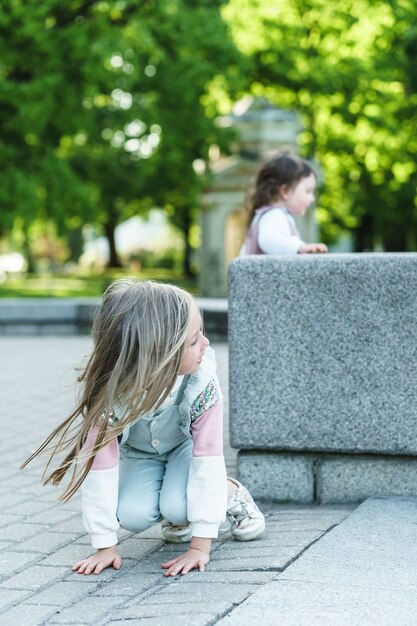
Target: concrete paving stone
<point>281,520</point>
<point>20,530</point>
<point>7,473</point>
<point>11,561</point>
<point>275,531</point>
<point>255,578</point>
<point>73,526</point>
<point>84,540</point>
<point>136,548</point>
<point>9,501</point>
<point>309,511</point>
<point>377,540</point>
<point>46,542</point>
<point>129,584</point>
<point>52,494</point>
<point>279,536</point>
<point>194,620</point>
<point>61,594</point>
<point>268,546</point>
<point>362,572</point>
<point>10,597</point>
<point>57,518</point>
<point>180,585</point>
<point>68,555</point>
<point>279,562</point>
<point>214,609</point>
<point>92,610</point>
<point>181,600</point>
<point>34,577</point>
<point>152,562</point>
<point>293,603</point>
<point>28,507</point>
<point>26,615</point>
<point>312,522</point>
<point>228,593</point>
<point>7,519</point>
<point>22,480</point>
<point>257,549</point>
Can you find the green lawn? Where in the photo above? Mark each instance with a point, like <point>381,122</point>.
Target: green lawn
<point>60,286</point>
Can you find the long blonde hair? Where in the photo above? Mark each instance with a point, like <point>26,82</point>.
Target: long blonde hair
<point>139,332</point>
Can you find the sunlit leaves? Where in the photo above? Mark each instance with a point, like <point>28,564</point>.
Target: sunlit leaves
<point>106,105</point>
<point>350,70</point>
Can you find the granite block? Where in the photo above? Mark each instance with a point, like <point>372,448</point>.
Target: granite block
<point>278,477</point>
<point>353,479</point>
<point>322,353</point>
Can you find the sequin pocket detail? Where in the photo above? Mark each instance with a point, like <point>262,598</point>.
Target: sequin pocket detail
<point>205,400</point>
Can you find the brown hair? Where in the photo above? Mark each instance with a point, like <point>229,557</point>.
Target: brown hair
<point>284,168</point>
<point>139,333</point>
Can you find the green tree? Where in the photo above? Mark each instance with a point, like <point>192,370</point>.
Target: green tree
<point>108,115</point>
<point>349,69</point>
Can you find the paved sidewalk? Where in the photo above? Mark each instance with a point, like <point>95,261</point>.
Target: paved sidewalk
<point>40,538</point>
<point>363,573</point>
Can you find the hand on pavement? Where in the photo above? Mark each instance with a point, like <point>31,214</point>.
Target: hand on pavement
<point>192,559</point>
<point>104,557</point>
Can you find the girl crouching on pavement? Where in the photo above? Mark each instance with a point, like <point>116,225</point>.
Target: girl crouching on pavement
<point>145,441</point>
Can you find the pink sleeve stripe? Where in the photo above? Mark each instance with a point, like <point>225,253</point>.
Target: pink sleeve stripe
<point>207,432</point>
<point>107,457</point>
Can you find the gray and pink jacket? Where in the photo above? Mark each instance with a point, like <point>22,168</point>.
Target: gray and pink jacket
<point>201,419</point>
<point>281,236</point>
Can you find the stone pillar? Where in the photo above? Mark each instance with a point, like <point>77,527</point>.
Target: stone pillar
<point>323,370</point>
<point>262,129</point>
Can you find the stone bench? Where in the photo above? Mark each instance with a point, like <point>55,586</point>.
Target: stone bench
<point>323,375</point>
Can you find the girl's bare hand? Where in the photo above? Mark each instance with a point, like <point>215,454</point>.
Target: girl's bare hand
<point>192,559</point>
<point>104,557</point>
<point>313,248</point>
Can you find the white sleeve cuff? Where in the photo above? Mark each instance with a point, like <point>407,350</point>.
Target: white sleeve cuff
<point>99,504</point>
<point>103,541</point>
<point>203,529</point>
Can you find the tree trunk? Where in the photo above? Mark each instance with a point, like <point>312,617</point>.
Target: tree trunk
<point>109,228</point>
<point>364,235</point>
<point>27,252</point>
<point>75,243</point>
<point>185,227</point>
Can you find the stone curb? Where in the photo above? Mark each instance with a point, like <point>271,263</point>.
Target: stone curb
<point>73,316</point>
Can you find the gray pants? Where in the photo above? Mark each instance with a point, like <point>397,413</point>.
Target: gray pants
<point>153,487</point>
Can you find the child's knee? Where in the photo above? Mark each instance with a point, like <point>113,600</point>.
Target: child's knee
<point>174,512</point>
<point>136,520</point>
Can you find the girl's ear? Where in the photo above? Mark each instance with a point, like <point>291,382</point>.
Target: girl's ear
<point>283,191</point>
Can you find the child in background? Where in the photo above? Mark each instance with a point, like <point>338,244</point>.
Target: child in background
<point>150,384</point>
<point>284,189</point>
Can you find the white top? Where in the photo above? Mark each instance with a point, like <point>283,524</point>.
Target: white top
<point>276,233</point>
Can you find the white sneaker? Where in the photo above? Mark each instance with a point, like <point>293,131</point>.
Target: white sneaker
<point>175,534</point>
<point>245,518</point>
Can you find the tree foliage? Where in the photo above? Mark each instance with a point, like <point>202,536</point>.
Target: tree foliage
<point>349,68</point>
<point>103,110</point>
